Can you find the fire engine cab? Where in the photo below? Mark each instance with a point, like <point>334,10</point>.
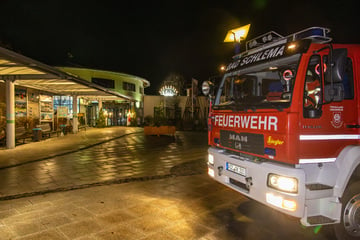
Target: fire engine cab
<point>284,127</point>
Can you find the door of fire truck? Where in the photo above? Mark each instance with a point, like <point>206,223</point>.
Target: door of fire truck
<point>328,122</point>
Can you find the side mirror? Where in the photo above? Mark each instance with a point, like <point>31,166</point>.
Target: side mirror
<point>338,63</point>
<point>207,87</point>
<point>334,93</point>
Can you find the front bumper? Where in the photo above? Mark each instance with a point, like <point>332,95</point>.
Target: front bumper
<point>252,182</point>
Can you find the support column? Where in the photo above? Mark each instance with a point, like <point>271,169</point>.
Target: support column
<point>100,104</point>
<point>10,113</point>
<point>75,115</point>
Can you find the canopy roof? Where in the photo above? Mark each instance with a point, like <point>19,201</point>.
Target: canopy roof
<point>30,73</point>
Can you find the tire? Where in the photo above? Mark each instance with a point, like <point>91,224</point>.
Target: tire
<point>349,227</point>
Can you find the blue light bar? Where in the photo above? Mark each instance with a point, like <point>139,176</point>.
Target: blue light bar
<point>316,34</point>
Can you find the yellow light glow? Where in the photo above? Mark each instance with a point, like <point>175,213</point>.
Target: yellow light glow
<point>280,202</point>
<point>287,184</point>
<point>211,172</point>
<point>237,34</point>
<point>289,205</point>
<point>292,46</point>
<point>282,183</point>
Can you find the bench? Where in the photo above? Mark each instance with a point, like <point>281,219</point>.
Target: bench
<point>22,134</point>
<point>45,130</point>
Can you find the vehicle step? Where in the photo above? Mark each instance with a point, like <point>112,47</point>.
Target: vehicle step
<point>316,220</point>
<point>317,186</point>
<point>317,191</point>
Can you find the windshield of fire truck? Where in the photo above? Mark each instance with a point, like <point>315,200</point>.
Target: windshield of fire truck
<point>266,85</point>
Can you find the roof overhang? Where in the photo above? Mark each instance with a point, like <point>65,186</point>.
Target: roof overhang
<point>27,72</point>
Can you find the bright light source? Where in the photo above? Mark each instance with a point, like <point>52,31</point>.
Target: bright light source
<point>237,34</point>
<point>280,202</point>
<point>168,91</point>
<point>289,205</point>
<point>211,159</point>
<point>205,87</point>
<point>282,183</point>
<point>292,46</point>
<point>211,172</point>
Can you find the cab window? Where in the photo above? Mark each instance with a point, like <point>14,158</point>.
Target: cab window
<point>312,87</point>
<point>348,80</point>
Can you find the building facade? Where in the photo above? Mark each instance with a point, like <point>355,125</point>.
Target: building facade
<point>33,93</point>
<point>120,112</point>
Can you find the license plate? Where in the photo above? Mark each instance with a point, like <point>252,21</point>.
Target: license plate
<point>236,169</point>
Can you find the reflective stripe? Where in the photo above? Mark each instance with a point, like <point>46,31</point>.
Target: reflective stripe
<point>316,160</point>
<point>330,137</point>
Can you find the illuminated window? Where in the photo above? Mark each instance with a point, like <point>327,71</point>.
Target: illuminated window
<point>65,101</point>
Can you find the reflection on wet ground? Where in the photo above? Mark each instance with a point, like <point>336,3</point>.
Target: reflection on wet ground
<point>132,156</point>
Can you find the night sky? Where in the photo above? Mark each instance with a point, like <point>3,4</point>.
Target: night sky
<point>152,39</point>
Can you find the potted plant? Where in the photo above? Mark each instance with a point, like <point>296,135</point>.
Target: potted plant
<point>158,126</point>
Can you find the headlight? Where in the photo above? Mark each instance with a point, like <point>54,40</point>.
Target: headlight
<point>211,159</point>
<point>282,183</point>
<point>279,201</point>
<point>211,172</point>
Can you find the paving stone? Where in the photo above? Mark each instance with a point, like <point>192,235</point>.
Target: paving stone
<point>55,220</point>
<point>80,229</point>
<point>31,206</point>
<point>144,209</point>
<point>27,227</point>
<point>44,235</point>
<point>8,213</point>
<point>115,217</point>
<point>77,213</point>
<point>120,232</point>
<point>149,224</point>
<point>6,232</point>
<point>161,235</point>
<point>187,230</point>
<point>22,217</point>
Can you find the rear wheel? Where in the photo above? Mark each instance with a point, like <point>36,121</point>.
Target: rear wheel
<point>349,227</point>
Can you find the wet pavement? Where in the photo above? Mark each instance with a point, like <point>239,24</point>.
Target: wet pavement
<point>117,183</point>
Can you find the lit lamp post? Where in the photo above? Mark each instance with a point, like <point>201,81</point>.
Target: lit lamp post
<point>222,68</point>
<point>236,35</point>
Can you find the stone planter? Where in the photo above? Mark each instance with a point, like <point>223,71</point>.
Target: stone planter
<point>161,130</point>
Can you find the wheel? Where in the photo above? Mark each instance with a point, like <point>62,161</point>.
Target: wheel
<point>349,227</point>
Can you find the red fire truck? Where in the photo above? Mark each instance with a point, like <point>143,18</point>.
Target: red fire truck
<point>284,127</point>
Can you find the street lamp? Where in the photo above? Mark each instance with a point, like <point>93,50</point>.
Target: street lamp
<point>222,68</point>
<point>236,35</point>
